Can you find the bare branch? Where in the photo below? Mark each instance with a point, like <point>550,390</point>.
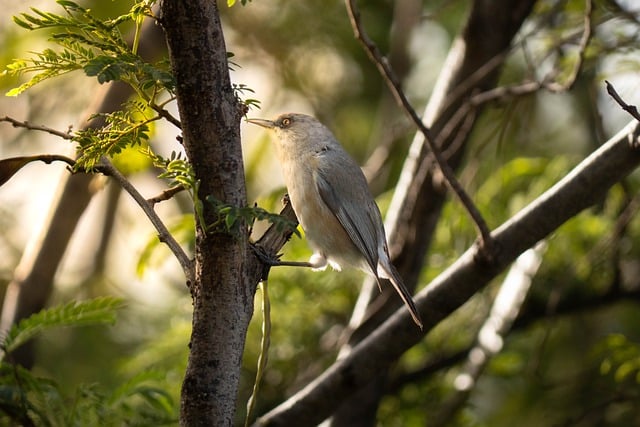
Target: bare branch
<point>164,235</point>
<point>631,109</point>
<point>166,194</point>
<point>582,48</point>
<point>167,115</point>
<point>389,77</point>
<point>107,168</point>
<point>26,125</point>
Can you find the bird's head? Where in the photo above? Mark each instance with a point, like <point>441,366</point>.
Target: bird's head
<point>296,131</point>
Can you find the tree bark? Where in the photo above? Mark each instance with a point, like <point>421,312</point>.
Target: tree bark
<point>222,296</point>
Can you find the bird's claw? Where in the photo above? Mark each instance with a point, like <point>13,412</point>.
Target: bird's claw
<point>270,260</point>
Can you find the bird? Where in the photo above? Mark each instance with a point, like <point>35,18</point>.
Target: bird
<point>331,198</point>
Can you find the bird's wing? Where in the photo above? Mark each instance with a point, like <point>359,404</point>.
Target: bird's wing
<point>351,210</point>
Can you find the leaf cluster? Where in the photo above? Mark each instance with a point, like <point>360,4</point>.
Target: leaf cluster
<point>175,168</point>
<point>122,129</point>
<point>27,399</point>
<point>95,46</point>
<point>92,312</point>
<point>230,217</point>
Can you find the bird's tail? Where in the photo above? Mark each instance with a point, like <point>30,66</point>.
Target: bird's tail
<point>390,272</point>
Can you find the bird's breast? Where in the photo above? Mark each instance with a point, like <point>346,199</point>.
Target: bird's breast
<point>322,228</point>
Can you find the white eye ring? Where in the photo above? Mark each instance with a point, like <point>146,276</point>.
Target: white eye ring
<point>286,122</point>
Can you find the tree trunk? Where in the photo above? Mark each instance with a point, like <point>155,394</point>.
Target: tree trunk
<point>222,298</point>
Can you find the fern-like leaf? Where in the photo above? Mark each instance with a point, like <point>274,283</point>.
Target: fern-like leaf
<point>92,312</point>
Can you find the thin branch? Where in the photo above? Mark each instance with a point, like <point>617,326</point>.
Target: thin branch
<point>395,87</point>
<point>504,93</point>
<point>164,235</point>
<point>582,48</point>
<point>25,124</point>
<point>166,194</point>
<point>165,114</point>
<point>631,109</point>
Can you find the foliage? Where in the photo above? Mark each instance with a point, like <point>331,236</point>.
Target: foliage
<point>28,399</point>
<point>93,45</point>
<point>621,358</point>
<point>31,400</point>
<point>97,311</point>
<point>123,129</point>
<point>230,217</point>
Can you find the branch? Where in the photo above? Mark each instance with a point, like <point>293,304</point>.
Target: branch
<point>486,247</point>
<point>25,124</point>
<point>167,115</point>
<point>582,48</point>
<point>584,186</point>
<point>164,235</point>
<point>166,194</point>
<point>631,109</point>
<point>9,167</point>
<point>503,93</point>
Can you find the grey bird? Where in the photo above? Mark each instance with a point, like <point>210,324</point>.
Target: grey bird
<point>332,201</point>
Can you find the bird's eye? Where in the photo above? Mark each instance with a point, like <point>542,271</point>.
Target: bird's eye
<point>286,122</point>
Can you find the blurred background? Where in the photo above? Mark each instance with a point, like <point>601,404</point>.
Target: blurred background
<point>560,365</point>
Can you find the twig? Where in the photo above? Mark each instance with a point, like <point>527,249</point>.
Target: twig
<point>167,115</point>
<point>10,166</point>
<point>631,109</point>
<point>503,93</point>
<point>166,194</point>
<point>25,124</point>
<point>164,235</point>
<point>584,42</point>
<point>388,75</point>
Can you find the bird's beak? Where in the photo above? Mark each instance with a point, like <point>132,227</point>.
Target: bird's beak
<point>262,122</point>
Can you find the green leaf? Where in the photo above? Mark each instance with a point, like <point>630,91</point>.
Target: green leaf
<point>92,312</point>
